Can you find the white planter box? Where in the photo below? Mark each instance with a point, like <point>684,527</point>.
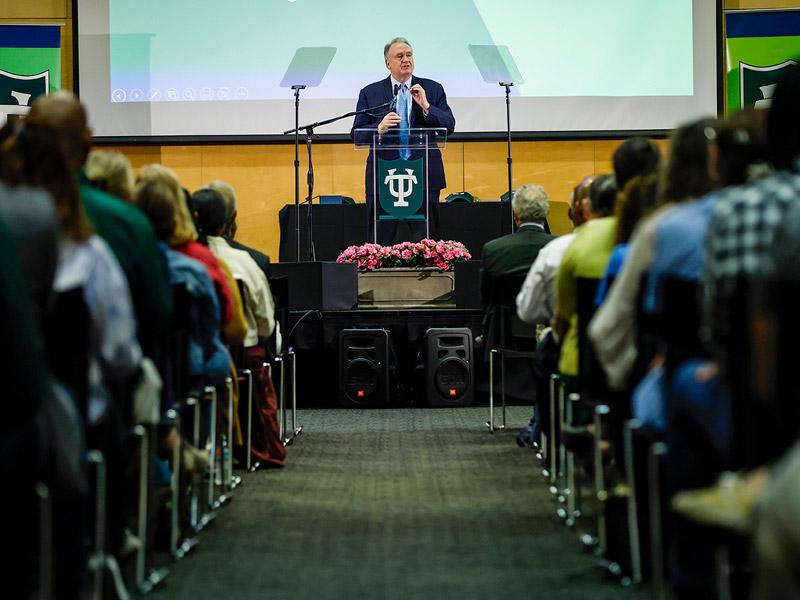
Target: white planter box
<point>406,288</point>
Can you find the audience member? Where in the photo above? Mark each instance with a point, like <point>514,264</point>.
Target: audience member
<point>183,235</point>
<point>744,220</point>
<point>738,147</point>
<point>209,206</point>
<point>586,257</point>
<point>634,202</point>
<point>87,265</point>
<point>635,157</point>
<point>208,358</point>
<point>536,305</point>
<point>31,218</point>
<point>227,191</point>
<point>122,226</point>
<point>21,360</point>
<point>613,328</point>
<point>111,172</point>
<point>513,254</point>
<point>536,300</point>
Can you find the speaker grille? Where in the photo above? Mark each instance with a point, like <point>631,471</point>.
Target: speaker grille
<point>452,378</point>
<point>361,379</point>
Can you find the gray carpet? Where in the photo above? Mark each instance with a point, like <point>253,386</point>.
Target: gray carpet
<point>395,504</point>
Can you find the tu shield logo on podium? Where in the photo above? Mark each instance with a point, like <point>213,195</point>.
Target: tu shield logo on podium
<point>401,186</point>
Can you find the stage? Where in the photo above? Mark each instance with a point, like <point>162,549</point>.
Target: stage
<point>314,337</point>
<point>337,226</point>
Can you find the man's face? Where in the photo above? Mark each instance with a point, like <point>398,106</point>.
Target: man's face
<point>400,61</point>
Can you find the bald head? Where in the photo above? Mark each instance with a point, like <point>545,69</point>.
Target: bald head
<point>64,113</point>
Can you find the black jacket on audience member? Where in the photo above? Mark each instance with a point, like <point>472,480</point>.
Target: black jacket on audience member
<point>511,254</point>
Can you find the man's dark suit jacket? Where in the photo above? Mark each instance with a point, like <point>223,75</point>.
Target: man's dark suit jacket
<point>512,254</point>
<point>439,115</point>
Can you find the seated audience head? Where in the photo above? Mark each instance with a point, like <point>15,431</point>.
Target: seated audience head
<point>783,120</point>
<point>530,204</point>
<point>32,154</point>
<point>210,211</point>
<point>634,202</point>
<point>155,198</point>
<point>63,112</point>
<point>635,156</point>
<point>110,171</point>
<point>228,193</point>
<point>739,144</point>
<point>686,175</point>
<point>184,230</point>
<point>579,202</point>
<point>603,196</point>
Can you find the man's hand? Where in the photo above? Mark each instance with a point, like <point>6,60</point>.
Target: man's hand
<point>391,119</point>
<point>418,94</point>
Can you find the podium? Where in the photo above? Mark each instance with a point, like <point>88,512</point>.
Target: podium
<point>397,176</point>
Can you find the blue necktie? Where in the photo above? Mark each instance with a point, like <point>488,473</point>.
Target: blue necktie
<point>402,108</point>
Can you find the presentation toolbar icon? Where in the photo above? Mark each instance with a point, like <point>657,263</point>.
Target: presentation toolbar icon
<point>188,94</point>
<point>137,95</point>
<point>206,93</point>
<point>224,93</point>
<point>172,94</point>
<point>154,95</point>
<point>242,93</point>
<point>118,96</point>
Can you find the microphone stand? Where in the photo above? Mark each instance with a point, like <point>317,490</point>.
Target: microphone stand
<point>297,89</point>
<point>309,129</point>
<point>310,183</point>
<point>508,85</point>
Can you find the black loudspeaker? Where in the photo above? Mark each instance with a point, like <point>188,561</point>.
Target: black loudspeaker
<point>364,367</point>
<point>449,368</point>
<point>317,285</point>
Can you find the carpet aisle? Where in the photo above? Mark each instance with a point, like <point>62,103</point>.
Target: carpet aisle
<point>393,504</point>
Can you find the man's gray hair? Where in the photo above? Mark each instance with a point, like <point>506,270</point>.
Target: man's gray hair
<point>228,194</point>
<point>530,203</point>
<point>397,40</point>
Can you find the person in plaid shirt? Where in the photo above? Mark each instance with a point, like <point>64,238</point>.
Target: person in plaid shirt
<point>744,220</point>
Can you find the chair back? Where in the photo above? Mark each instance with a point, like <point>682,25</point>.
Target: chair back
<point>503,327</point>
<point>591,375</point>
<point>176,371</point>
<point>66,333</point>
<point>767,420</point>
<point>679,323</point>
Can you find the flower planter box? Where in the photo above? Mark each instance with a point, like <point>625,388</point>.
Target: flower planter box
<point>405,288</point>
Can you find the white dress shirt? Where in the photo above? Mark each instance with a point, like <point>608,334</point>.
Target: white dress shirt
<point>537,298</point>
<point>259,309</point>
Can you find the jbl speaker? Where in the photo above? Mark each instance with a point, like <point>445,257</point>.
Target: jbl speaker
<point>363,367</point>
<point>449,368</point>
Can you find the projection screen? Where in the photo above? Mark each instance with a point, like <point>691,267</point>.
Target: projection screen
<point>202,68</point>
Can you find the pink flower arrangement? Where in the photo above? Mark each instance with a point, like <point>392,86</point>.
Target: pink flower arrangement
<point>441,255</point>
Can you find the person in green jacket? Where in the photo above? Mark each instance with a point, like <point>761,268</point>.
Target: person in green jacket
<point>123,226</point>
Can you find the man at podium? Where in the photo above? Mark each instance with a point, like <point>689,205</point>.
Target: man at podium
<point>406,102</point>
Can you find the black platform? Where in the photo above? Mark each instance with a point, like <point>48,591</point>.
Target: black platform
<point>338,226</point>
<point>314,337</point>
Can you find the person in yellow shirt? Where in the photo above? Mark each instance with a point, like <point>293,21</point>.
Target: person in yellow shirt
<point>587,256</point>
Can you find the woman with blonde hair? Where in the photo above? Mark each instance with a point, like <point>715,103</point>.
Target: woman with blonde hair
<point>184,239</point>
<point>110,171</point>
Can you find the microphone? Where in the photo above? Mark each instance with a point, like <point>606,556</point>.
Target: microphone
<point>393,103</point>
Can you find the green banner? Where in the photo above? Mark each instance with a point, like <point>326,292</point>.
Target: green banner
<point>30,65</point>
<point>401,189</point>
<point>759,46</point>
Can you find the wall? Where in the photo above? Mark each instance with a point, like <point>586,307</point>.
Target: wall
<point>263,174</point>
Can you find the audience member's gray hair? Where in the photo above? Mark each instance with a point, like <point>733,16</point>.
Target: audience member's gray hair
<point>530,203</point>
<point>397,40</point>
<point>228,193</point>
